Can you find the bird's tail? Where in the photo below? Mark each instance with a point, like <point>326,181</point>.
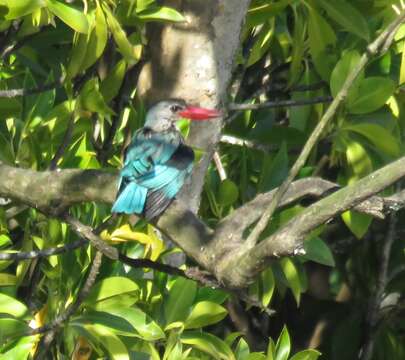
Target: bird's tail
<point>130,200</point>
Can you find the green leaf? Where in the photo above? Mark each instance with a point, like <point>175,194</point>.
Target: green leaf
<point>402,69</point>
<point>358,223</point>
<point>271,350</point>
<point>20,8</point>
<point>378,136</point>
<point>357,159</point>
<point>228,193</point>
<point>10,327</point>
<point>131,53</point>
<point>341,71</point>
<point>373,93</point>
<point>204,313</point>
<point>299,41</point>
<point>7,279</point>
<point>77,56</point>
<point>242,349</point>
<point>309,354</point>
<point>256,356</point>
<point>19,349</point>
<point>97,40</point>
<point>208,343</point>
<point>268,285</point>
<point>144,325</point>
<point>322,39</point>
<point>317,250</point>
<point>5,240</point>
<point>9,305</point>
<point>291,274</point>
<point>347,16</point>
<point>275,170</point>
<point>110,287</point>
<point>69,15</point>
<point>9,108</point>
<point>262,43</point>
<point>92,100</point>
<point>109,341</point>
<point>110,86</point>
<point>161,13</point>
<point>283,345</point>
<point>259,14</point>
<point>178,304</point>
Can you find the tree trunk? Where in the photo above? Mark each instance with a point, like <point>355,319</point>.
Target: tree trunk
<point>193,61</point>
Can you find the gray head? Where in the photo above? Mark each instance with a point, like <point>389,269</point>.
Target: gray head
<point>163,115</point>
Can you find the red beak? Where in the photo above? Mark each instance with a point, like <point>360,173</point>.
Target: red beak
<point>197,113</point>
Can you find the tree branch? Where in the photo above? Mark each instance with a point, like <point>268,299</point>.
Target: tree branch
<point>55,191</point>
<point>86,232</point>
<point>380,44</point>
<point>279,103</point>
<point>241,266</point>
<point>37,254</point>
<point>12,93</point>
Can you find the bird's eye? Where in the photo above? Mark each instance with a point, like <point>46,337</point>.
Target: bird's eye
<point>175,108</point>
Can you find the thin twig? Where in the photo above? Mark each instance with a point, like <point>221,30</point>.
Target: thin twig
<point>219,166</point>
<point>233,140</point>
<point>12,93</point>
<point>86,232</point>
<point>280,103</point>
<point>37,254</point>
<point>372,50</point>
<point>54,325</point>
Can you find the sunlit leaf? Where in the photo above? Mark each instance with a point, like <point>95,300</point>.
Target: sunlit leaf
<point>19,8</point>
<point>110,287</point>
<point>9,305</point>
<point>283,345</point>
<point>373,92</point>
<point>378,136</point>
<point>74,18</point>
<point>291,274</point>
<point>179,302</point>
<point>110,86</point>
<point>347,16</point>
<point>309,354</point>
<point>341,71</point>
<point>161,13</point>
<point>208,343</point>
<point>204,313</point>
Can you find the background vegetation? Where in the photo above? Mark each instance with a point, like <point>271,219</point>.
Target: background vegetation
<point>68,99</point>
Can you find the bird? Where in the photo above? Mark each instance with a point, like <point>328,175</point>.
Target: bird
<point>157,162</point>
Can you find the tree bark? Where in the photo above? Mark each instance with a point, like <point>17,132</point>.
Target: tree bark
<point>220,250</point>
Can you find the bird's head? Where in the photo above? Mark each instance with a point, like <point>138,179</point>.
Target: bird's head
<point>164,114</point>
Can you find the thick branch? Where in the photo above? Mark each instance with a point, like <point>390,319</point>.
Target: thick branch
<point>56,190</point>
<point>241,268</point>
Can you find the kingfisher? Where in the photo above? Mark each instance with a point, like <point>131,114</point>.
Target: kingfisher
<point>157,162</point>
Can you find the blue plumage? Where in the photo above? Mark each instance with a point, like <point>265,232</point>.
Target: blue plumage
<point>156,166</point>
<point>157,162</point>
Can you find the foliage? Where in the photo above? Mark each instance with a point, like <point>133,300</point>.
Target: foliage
<point>87,55</point>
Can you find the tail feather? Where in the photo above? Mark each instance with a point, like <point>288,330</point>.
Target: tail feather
<point>156,203</point>
<point>130,200</point>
